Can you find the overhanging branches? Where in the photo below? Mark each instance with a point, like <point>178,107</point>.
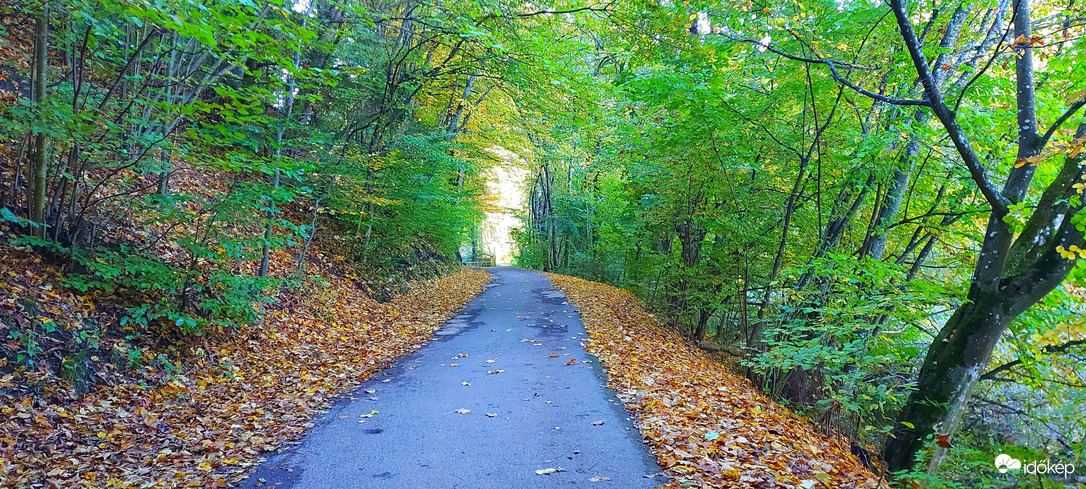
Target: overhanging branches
<point>832,65</point>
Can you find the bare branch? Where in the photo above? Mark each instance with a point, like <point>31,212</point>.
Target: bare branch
<point>605,9</point>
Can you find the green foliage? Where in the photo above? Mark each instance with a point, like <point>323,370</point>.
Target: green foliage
<point>751,198</point>
<point>193,137</point>
<point>838,333</point>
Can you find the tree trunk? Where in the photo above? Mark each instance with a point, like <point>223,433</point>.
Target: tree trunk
<point>286,111</point>
<point>164,175</point>
<point>1007,281</point>
<point>951,368</point>
<point>309,239</point>
<point>266,256</point>
<point>1010,274</point>
<point>875,245</point>
<point>38,167</point>
<point>789,209</point>
<point>960,352</point>
<point>703,324</point>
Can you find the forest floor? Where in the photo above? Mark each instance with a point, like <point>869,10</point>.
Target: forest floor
<point>707,426</point>
<point>202,413</point>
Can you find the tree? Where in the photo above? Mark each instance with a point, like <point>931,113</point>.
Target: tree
<point>1031,238</point>
<point>38,168</point>
<point>819,212</point>
<point>1012,272</point>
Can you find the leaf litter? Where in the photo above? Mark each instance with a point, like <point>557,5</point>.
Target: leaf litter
<point>239,394</point>
<point>707,426</point>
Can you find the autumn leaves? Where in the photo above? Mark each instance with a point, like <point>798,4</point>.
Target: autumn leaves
<point>247,395</point>
<point>707,426</point>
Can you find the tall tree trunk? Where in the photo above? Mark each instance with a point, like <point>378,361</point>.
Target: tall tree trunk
<point>266,256</point>
<point>549,220</point>
<point>286,110</point>
<point>703,324</point>
<point>38,167</point>
<point>164,175</point>
<point>778,258</point>
<point>960,352</point>
<point>312,234</point>
<point>875,245</point>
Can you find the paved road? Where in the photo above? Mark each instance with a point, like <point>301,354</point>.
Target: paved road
<point>546,414</point>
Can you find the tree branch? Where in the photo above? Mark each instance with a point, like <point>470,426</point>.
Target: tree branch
<point>977,169</point>
<point>605,9</point>
<point>835,75</point>
<point>154,34</point>
<point>1063,118</point>
<point>991,374</point>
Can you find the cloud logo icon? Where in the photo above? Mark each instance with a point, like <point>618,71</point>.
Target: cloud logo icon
<point>1006,463</point>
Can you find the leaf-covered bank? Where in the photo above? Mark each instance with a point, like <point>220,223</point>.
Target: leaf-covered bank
<point>237,396</point>
<point>708,426</point>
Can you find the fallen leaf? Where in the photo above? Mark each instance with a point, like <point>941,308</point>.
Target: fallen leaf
<point>737,436</point>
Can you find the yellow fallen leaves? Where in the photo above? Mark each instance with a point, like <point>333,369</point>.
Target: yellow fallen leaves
<point>239,395</point>
<point>707,426</point>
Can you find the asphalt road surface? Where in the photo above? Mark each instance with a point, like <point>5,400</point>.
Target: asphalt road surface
<point>531,409</point>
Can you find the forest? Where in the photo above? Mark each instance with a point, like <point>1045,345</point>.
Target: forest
<point>872,211</point>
